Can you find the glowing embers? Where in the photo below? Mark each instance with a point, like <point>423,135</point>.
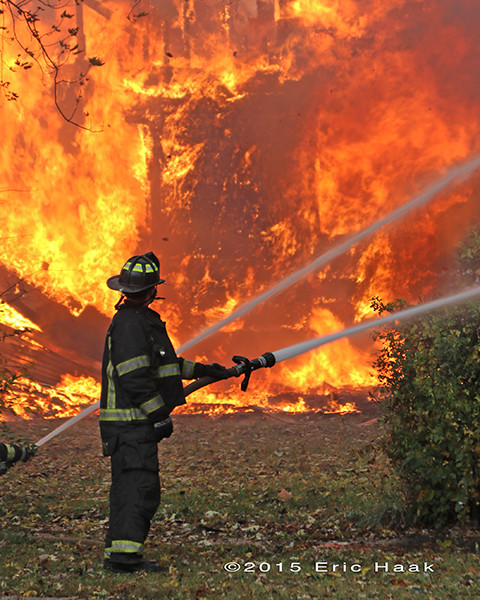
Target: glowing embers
<point>217,402</point>
<point>28,399</point>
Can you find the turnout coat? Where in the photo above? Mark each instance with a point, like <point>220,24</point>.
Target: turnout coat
<point>141,375</point>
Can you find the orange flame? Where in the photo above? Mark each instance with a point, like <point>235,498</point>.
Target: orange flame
<point>13,319</point>
<point>28,399</point>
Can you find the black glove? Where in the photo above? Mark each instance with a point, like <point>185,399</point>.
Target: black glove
<point>163,429</point>
<point>214,370</point>
<point>26,454</point>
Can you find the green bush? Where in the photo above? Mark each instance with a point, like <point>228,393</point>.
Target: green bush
<point>429,372</point>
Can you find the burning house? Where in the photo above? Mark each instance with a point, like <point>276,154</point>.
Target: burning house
<point>237,140</point>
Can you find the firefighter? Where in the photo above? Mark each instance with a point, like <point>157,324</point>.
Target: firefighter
<point>141,385</point>
<point>11,454</point>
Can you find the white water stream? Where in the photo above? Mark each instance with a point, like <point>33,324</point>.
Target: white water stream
<point>453,177</point>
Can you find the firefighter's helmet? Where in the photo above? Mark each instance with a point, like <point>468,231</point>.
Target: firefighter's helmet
<point>138,274</point>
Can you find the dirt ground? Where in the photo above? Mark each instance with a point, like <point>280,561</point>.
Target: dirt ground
<point>258,491</point>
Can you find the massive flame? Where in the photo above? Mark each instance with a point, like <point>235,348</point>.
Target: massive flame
<point>238,140</point>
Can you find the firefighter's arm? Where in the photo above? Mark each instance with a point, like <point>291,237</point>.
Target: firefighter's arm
<point>193,370</point>
<point>11,454</point>
<point>131,358</point>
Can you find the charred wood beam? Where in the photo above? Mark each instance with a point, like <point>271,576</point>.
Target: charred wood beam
<point>97,6</point>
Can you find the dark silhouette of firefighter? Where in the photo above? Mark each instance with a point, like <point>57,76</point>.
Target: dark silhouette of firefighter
<point>141,385</point>
<point>11,454</point>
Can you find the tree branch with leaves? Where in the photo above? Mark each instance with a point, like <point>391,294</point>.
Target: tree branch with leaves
<point>48,36</point>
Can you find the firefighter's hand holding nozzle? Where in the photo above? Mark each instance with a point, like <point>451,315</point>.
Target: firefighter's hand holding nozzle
<point>214,370</point>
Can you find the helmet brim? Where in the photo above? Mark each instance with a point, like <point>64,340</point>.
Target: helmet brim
<point>114,284</point>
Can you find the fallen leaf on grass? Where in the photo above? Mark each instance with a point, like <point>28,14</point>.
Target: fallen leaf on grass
<point>46,557</point>
<point>284,495</point>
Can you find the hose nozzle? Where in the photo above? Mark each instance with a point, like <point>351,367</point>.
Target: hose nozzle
<point>246,366</point>
<point>269,359</point>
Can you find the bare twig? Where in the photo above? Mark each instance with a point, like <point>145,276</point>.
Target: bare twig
<point>19,11</point>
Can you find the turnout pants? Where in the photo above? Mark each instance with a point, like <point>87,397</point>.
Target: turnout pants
<point>134,498</point>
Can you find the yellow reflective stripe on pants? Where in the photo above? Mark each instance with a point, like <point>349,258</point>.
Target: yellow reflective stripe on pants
<point>132,364</point>
<point>168,370</point>
<point>126,546</point>
<point>126,414</point>
<point>110,380</point>
<point>10,452</point>
<point>152,405</point>
<point>187,370</point>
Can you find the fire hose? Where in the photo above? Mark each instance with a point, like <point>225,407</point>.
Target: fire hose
<point>242,366</point>
<point>245,367</point>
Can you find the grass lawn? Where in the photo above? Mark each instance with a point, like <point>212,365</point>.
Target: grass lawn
<point>280,500</point>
